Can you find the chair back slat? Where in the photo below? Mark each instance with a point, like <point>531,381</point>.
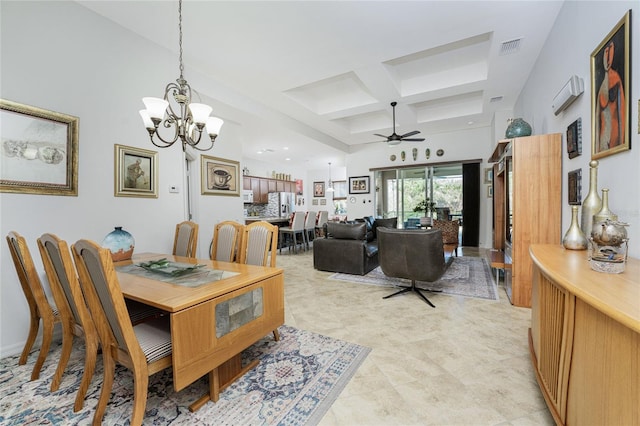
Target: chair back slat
<point>260,239</point>
<point>227,236</point>
<point>95,268</point>
<point>186,239</point>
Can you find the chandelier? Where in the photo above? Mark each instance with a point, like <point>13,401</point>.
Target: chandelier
<point>176,111</point>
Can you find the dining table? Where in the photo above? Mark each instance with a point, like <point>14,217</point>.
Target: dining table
<point>217,309</point>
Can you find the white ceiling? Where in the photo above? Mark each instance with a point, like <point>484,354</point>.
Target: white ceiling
<point>324,73</point>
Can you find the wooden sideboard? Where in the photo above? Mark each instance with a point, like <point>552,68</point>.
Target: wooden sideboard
<point>585,338</point>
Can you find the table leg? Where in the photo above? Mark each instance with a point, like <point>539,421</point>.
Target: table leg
<point>221,378</point>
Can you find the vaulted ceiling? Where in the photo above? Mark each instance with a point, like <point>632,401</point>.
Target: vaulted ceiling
<point>323,73</point>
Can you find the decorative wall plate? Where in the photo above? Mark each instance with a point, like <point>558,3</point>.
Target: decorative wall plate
<point>403,155</point>
<point>414,152</point>
<point>352,200</point>
<point>392,157</point>
<point>427,153</point>
<point>440,152</point>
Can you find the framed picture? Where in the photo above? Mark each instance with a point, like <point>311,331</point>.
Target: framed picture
<point>299,186</point>
<point>488,175</point>
<point>323,202</point>
<point>318,189</point>
<point>136,172</point>
<point>359,185</point>
<point>314,202</point>
<point>39,153</point>
<point>490,191</point>
<point>574,138</point>
<point>610,89</point>
<point>219,176</point>
<point>574,189</point>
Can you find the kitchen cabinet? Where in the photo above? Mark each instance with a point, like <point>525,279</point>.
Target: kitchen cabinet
<point>261,187</point>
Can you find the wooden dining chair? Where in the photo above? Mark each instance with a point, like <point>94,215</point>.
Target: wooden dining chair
<point>76,319</point>
<point>39,306</point>
<point>227,239</point>
<point>145,349</point>
<point>259,245</point>
<point>186,239</point>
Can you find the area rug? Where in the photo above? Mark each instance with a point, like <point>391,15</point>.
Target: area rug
<point>466,276</point>
<point>297,380</point>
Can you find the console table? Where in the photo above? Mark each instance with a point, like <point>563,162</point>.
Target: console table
<point>585,338</point>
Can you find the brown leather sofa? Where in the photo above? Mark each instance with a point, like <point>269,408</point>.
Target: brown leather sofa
<point>351,247</point>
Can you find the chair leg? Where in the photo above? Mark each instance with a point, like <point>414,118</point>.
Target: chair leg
<point>414,289</point>
<point>140,387</point>
<point>276,335</point>
<point>47,335</point>
<point>67,345</point>
<point>91,353</point>
<point>107,384</point>
<point>31,338</point>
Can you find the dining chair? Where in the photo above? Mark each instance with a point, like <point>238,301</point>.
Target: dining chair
<point>39,306</point>
<point>259,244</point>
<point>323,217</point>
<point>227,238</point>
<point>186,239</point>
<point>145,348</point>
<point>310,226</point>
<point>450,230</point>
<point>76,319</point>
<point>296,228</point>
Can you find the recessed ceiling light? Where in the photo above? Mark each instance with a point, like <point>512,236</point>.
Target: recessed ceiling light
<point>287,159</point>
<point>285,148</point>
<point>259,152</point>
<point>470,123</point>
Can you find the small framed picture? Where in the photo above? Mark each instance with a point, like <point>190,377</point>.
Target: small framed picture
<point>136,172</point>
<point>574,190</point>
<point>314,202</point>
<point>39,153</point>
<point>488,175</point>
<point>490,191</point>
<point>318,189</point>
<point>323,202</point>
<point>219,176</point>
<point>574,138</point>
<point>359,185</point>
<point>610,90</point>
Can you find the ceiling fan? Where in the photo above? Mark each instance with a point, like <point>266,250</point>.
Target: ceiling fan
<point>395,139</point>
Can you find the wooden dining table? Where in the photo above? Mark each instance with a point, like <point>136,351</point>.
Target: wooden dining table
<point>215,313</point>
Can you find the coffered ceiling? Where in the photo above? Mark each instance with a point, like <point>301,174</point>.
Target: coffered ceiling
<point>322,74</point>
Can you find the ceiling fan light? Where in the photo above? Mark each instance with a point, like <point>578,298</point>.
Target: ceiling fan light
<point>394,142</point>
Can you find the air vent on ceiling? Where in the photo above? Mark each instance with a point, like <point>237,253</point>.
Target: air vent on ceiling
<point>495,99</point>
<point>510,46</point>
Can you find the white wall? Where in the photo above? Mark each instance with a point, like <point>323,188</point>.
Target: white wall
<point>468,144</point>
<point>579,29</point>
<point>62,57</point>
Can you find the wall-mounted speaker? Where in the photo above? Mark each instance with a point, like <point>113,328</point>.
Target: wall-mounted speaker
<point>568,94</point>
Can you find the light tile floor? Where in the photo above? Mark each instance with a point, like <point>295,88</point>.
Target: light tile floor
<point>466,362</point>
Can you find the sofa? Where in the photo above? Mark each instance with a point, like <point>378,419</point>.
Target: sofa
<point>349,247</point>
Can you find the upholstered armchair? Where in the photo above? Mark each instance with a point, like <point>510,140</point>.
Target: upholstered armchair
<point>449,229</point>
<point>415,254</point>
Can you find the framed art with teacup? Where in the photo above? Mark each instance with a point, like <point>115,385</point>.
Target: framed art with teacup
<point>220,176</point>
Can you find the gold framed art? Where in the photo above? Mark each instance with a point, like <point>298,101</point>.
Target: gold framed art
<point>219,176</point>
<point>136,172</point>
<point>39,152</point>
<point>610,86</point>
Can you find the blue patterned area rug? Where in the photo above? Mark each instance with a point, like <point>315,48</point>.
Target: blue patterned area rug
<point>466,276</point>
<point>296,382</point>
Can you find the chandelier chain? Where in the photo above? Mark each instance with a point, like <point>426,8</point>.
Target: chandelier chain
<point>180,38</point>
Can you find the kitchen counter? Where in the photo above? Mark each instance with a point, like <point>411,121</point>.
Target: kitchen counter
<point>273,219</point>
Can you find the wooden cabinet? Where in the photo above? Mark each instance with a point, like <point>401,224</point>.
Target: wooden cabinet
<point>527,205</point>
<point>585,338</point>
<point>261,187</point>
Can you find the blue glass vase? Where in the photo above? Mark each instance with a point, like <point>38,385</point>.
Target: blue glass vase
<point>121,244</point>
<point>518,128</point>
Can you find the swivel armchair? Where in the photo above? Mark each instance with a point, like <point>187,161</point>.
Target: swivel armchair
<point>417,255</point>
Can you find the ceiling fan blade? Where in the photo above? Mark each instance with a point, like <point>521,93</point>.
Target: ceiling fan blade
<point>413,140</point>
<point>382,136</point>
<point>415,132</point>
